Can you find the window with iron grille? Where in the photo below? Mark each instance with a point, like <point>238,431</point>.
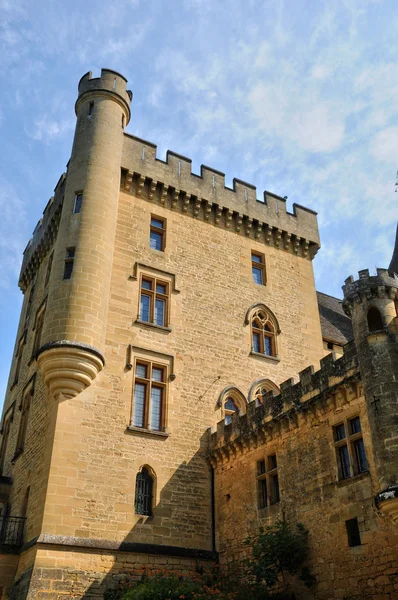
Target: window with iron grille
<point>154,301</point>
<point>143,493</point>
<point>349,447</point>
<point>267,482</point>
<point>149,398</point>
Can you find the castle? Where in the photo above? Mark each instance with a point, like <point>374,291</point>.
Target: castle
<point>151,416</point>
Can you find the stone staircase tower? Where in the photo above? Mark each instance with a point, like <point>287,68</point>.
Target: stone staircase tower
<point>372,303</point>
<point>71,354</point>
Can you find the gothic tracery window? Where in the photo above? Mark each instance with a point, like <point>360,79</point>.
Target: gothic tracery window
<point>263,333</point>
<point>231,401</point>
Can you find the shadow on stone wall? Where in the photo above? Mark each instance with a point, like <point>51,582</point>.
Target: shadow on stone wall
<point>180,551</point>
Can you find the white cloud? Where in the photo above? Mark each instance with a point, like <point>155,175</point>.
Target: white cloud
<point>47,129</point>
<point>385,146</point>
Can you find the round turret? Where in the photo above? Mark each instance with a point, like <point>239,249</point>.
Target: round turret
<point>79,288</point>
<point>372,303</point>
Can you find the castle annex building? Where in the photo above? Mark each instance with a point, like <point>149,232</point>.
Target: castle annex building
<point>177,381</point>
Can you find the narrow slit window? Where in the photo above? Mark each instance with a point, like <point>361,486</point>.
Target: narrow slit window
<point>90,108</point>
<point>49,267</point>
<point>77,206</point>
<point>39,322</point>
<point>68,268</point>
<point>258,268</point>
<point>158,234</point>
<point>353,535</point>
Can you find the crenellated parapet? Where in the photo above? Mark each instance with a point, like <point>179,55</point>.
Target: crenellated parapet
<point>315,393</point>
<point>43,236</point>
<point>383,285</point>
<point>172,184</point>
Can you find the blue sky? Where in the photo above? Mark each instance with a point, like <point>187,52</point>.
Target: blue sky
<point>298,97</point>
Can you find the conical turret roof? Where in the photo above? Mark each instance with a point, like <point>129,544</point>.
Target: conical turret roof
<point>394,261</point>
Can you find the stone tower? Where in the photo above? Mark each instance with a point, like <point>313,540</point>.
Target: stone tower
<point>372,302</point>
<point>74,334</point>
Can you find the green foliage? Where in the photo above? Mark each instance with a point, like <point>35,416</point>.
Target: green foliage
<point>278,551</point>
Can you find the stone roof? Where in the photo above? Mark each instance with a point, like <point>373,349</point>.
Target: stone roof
<point>336,326</point>
<point>394,261</point>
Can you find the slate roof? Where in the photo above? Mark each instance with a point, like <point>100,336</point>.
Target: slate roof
<point>335,325</point>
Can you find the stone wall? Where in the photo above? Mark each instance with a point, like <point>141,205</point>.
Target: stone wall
<point>310,490</point>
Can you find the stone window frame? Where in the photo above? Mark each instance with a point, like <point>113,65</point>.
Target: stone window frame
<point>260,266</point>
<point>259,385</point>
<point>237,397</point>
<point>18,357</point>
<point>5,432</point>
<point>263,315</point>
<point>157,359</point>
<point>349,441</point>
<point>142,270</point>
<point>161,231</point>
<point>154,295</point>
<point>267,477</point>
<point>152,475</point>
<point>24,407</point>
<point>38,327</point>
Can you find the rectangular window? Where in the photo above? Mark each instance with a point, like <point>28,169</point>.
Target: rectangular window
<point>68,268</point>
<point>158,233</point>
<point>18,357</point>
<point>353,535</point>
<point>77,206</point>
<point>23,424</point>
<point>267,482</point>
<point>350,449</point>
<point>154,298</point>
<point>38,328</point>
<point>149,396</point>
<point>5,434</point>
<point>48,271</point>
<point>258,268</point>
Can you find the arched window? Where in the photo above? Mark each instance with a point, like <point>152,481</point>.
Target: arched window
<point>143,493</point>
<point>263,330</point>
<point>260,388</point>
<point>231,401</point>
<point>375,322</point>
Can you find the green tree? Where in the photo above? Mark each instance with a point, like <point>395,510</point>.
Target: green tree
<point>278,551</point>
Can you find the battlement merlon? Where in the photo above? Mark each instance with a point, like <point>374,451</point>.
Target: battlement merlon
<point>43,236</point>
<point>139,157</point>
<point>315,388</point>
<point>111,83</point>
<point>383,284</point>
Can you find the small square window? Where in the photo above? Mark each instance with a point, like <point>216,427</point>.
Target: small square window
<point>77,206</point>
<point>158,234</point>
